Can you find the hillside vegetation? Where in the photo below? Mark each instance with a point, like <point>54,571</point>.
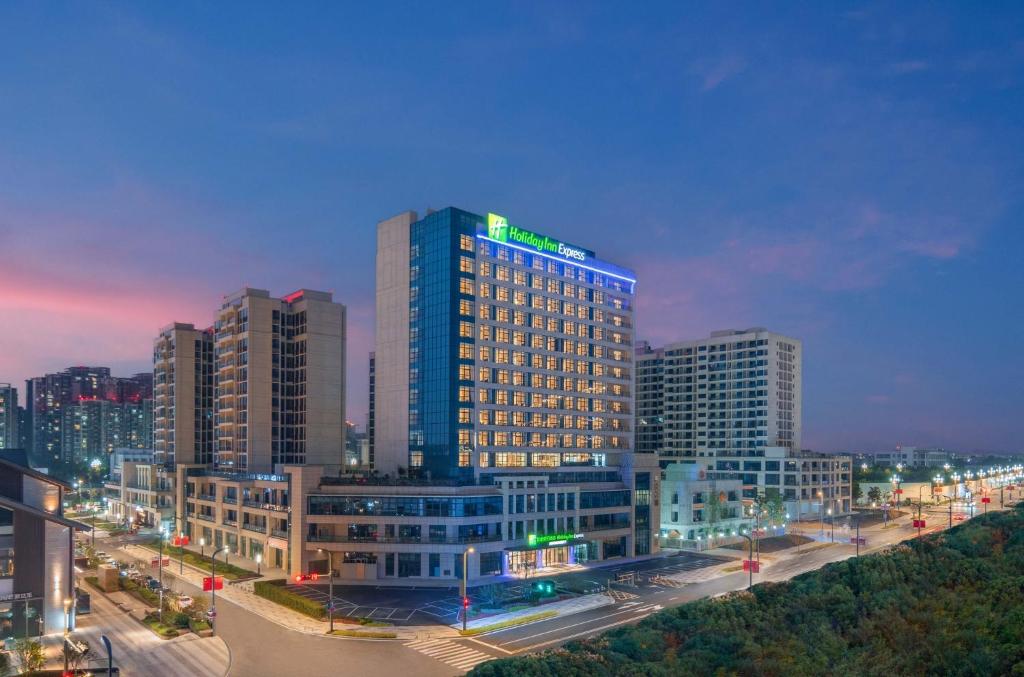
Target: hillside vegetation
<point>949,604</point>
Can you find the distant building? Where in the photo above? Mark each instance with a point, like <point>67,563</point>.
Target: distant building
<point>9,429</point>
<point>916,457</point>
<point>371,417</point>
<point>700,504</point>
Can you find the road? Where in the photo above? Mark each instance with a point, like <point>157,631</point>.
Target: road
<point>261,648</point>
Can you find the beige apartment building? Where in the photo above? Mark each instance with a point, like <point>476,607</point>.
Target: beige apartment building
<point>280,381</point>
<point>183,395</point>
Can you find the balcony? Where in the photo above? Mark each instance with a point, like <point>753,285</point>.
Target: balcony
<point>255,527</point>
<point>207,497</point>
<point>230,499</point>
<point>205,518</point>
<point>229,523</point>
<point>279,533</point>
<point>456,540</point>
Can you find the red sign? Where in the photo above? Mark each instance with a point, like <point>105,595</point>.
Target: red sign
<point>986,499</point>
<point>210,584</point>
<point>919,524</point>
<point>180,541</point>
<point>898,491</point>
<point>937,490</point>
<point>465,602</point>
<point>752,564</point>
<point>299,578</point>
<point>155,562</point>
<point>858,541</point>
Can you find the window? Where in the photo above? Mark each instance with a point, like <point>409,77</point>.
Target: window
<point>465,243</point>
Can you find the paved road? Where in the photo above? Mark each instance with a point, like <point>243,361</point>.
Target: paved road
<point>137,651</point>
<point>262,648</point>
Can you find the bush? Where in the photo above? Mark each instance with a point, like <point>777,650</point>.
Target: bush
<point>276,592</point>
<point>180,620</point>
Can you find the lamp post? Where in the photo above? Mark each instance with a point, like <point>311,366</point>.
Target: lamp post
<point>831,526</point>
<point>821,512</point>
<point>750,559</point>
<point>259,559</point>
<point>465,586</point>
<point>330,586</point>
<point>202,547</point>
<point>67,630</point>
<point>160,566</point>
<point>213,586</point>
<point>181,552</point>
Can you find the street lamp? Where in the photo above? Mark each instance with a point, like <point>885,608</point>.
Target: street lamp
<point>831,526</point>
<point>259,559</point>
<point>67,629</point>
<point>202,547</point>
<point>213,585</point>
<point>330,583</point>
<point>181,553</point>
<point>465,586</point>
<point>750,559</point>
<point>160,564</point>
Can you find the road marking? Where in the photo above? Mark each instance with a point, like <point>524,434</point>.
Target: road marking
<point>448,652</point>
<point>564,627</point>
<point>580,634</point>
<point>491,646</point>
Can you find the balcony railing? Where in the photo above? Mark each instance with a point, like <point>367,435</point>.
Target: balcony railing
<point>230,499</point>
<point>229,523</point>
<point>207,497</point>
<point>280,533</point>
<point>254,527</point>
<point>205,518</point>
<point>455,540</point>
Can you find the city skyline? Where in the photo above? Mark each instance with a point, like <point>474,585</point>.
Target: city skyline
<point>781,181</point>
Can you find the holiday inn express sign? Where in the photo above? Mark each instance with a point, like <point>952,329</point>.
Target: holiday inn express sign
<point>499,230</point>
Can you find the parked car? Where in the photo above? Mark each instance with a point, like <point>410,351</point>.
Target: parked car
<point>153,584</point>
<point>101,555</point>
<point>183,602</point>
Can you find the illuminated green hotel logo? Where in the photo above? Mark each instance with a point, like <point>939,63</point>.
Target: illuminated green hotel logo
<point>533,540</point>
<point>498,229</point>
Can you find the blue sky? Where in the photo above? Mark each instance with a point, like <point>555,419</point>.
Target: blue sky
<point>848,174</point>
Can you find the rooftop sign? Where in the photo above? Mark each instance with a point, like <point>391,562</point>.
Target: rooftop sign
<point>498,229</point>
<point>535,539</point>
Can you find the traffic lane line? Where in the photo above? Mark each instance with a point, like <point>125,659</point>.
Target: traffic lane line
<point>627,612</point>
<point>583,633</point>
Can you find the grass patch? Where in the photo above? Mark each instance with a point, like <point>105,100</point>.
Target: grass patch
<point>510,623</point>
<point>276,592</point>
<point>773,543</point>
<point>365,634</point>
<point>229,571</point>
<point>197,626</point>
<point>371,623</point>
<point>140,592</point>
<point>152,621</point>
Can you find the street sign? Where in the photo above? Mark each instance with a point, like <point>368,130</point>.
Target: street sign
<point>212,613</point>
<point>986,499</point>
<point>752,564</point>
<point>155,562</point>
<point>180,541</point>
<point>330,606</point>
<point>210,584</point>
<point>854,540</point>
<point>898,491</point>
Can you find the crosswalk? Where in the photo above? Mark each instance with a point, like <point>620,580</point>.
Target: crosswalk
<point>452,653</point>
<point>620,595</point>
<point>666,582</point>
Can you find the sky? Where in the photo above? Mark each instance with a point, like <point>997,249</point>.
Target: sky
<point>846,174</point>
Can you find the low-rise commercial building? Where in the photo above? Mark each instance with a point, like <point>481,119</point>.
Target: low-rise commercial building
<point>36,551</point>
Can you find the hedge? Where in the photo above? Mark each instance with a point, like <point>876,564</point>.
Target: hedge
<point>276,592</point>
<point>510,623</point>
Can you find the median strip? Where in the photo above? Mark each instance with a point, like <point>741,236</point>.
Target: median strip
<point>510,623</point>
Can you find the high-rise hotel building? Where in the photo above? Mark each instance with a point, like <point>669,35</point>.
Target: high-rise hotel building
<point>280,385</point>
<point>183,391</point>
<point>504,367</point>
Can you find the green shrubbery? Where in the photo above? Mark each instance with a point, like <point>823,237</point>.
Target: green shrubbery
<point>276,592</point>
<point>951,603</point>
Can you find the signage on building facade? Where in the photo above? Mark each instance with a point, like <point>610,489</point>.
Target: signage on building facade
<point>498,229</point>
<point>13,597</point>
<point>551,539</point>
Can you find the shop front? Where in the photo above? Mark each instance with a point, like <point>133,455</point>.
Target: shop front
<point>548,551</point>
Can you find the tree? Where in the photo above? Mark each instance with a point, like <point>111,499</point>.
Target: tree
<point>30,655</point>
<point>77,658</point>
<point>874,494</point>
<point>5,664</point>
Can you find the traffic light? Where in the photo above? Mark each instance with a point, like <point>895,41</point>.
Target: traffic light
<point>299,578</point>
<point>544,587</point>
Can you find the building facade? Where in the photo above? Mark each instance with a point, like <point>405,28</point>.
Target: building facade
<point>280,383</point>
<point>183,393</point>
<point>504,367</point>
<point>36,551</point>
<point>9,428</point>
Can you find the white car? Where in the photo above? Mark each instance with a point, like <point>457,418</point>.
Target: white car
<point>184,602</point>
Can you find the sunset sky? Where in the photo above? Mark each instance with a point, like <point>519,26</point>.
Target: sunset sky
<point>851,176</point>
